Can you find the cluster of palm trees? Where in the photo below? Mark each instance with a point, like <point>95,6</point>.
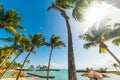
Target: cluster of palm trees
<point>78,7</point>
<point>93,37</point>
<point>59,5</point>
<point>10,21</point>
<point>19,43</point>
<point>41,67</point>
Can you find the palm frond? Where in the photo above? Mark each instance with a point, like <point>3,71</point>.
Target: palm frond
<point>78,14</point>
<point>116,41</point>
<point>49,8</point>
<point>11,30</point>
<point>79,9</point>
<point>88,37</point>
<point>30,36</point>
<point>1,11</point>
<point>88,45</point>
<point>7,39</point>
<point>34,52</point>
<point>59,44</point>
<point>19,27</point>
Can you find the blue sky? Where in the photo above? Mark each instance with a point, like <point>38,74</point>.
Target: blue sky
<point>37,19</point>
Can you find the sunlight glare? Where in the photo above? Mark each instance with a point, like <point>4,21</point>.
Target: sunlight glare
<point>95,13</point>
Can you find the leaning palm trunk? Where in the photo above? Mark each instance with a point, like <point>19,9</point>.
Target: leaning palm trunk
<point>5,58</point>
<point>49,63</point>
<point>71,61</point>
<point>112,54</point>
<point>11,63</point>
<point>24,63</point>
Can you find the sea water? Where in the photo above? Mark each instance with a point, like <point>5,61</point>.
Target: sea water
<point>63,75</point>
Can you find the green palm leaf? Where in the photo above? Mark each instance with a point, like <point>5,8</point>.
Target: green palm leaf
<point>88,45</point>
<point>116,41</point>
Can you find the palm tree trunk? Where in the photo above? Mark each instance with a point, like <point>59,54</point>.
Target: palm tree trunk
<point>71,62</point>
<point>24,63</point>
<point>5,58</point>
<point>49,63</point>
<point>11,63</point>
<point>112,55</point>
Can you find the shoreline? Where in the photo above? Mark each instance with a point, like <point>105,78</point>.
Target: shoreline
<point>21,78</point>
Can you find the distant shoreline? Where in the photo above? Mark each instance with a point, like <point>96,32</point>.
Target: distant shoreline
<point>110,72</point>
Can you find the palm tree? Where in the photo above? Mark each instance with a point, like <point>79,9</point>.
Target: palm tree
<point>10,20</point>
<point>7,52</point>
<point>31,68</point>
<point>27,62</point>
<point>54,43</point>
<point>116,66</point>
<point>35,41</point>
<point>38,67</point>
<point>21,44</point>
<point>98,37</point>
<point>61,6</point>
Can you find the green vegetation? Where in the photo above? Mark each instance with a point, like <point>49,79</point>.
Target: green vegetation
<point>103,69</point>
<point>99,36</point>
<point>31,68</point>
<point>10,21</point>
<point>19,43</point>
<point>54,43</point>
<point>42,68</point>
<point>35,41</point>
<point>117,67</point>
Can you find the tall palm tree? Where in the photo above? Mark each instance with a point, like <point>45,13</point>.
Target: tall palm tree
<point>9,20</point>
<point>98,37</point>
<point>61,6</point>
<point>35,41</point>
<point>54,43</point>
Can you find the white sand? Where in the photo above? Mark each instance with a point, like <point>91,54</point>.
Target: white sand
<point>21,78</point>
<point>13,79</point>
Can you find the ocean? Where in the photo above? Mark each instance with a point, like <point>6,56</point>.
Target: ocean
<point>63,75</point>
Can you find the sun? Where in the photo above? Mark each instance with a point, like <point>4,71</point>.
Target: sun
<point>95,13</point>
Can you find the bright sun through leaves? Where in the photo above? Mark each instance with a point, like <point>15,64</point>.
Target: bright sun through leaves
<point>95,13</point>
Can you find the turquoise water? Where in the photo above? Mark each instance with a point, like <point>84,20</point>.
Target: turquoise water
<point>62,75</point>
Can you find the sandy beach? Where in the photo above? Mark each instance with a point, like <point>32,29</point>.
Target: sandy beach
<point>21,78</point>
<point>13,78</point>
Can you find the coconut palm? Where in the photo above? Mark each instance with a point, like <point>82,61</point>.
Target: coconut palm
<point>21,44</point>
<point>98,37</point>
<point>6,53</point>
<point>9,20</point>
<point>54,43</point>
<point>15,40</point>
<point>61,6</point>
<point>35,41</point>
